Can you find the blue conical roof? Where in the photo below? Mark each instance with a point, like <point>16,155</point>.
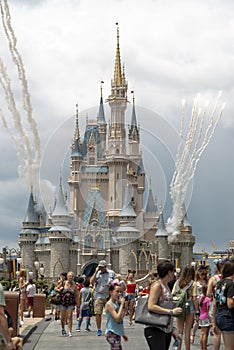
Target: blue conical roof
<point>101,114</point>
<point>140,169</point>
<point>127,207</point>
<point>76,150</point>
<point>151,207</point>
<point>161,227</point>
<point>31,214</point>
<point>60,207</point>
<point>133,121</point>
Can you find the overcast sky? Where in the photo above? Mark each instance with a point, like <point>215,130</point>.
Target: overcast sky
<point>172,50</point>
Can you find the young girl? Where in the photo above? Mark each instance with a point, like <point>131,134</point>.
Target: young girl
<point>84,298</point>
<point>204,322</point>
<point>114,318</point>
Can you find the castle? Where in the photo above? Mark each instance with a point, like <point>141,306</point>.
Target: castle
<point>107,218</point>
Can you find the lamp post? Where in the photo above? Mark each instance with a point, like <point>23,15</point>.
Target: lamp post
<point>36,265</point>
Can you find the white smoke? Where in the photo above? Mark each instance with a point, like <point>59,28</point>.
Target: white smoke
<point>190,150</point>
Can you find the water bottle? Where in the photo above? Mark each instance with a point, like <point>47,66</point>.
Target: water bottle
<point>176,344</point>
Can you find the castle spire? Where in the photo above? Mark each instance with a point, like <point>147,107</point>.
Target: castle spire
<point>76,144</point>
<point>77,130</point>
<point>133,130</point>
<point>101,114</point>
<point>117,72</point>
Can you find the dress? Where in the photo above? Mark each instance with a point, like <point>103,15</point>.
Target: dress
<point>204,313</point>
<point>68,300</point>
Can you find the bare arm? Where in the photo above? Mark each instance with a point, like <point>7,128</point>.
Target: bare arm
<point>210,285</point>
<point>92,279</point>
<point>4,329</point>
<point>116,315</point>
<point>230,303</point>
<point>144,278</point>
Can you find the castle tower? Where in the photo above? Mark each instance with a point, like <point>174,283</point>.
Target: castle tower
<point>162,238</point>
<point>60,236</point>
<point>29,234</point>
<point>116,154</point>
<point>76,159</point>
<point>150,216</point>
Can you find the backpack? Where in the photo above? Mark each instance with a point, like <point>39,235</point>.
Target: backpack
<point>179,298</point>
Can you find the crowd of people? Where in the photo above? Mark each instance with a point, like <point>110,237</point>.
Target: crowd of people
<point>209,305</point>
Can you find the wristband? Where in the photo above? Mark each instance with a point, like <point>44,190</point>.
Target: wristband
<point>171,312</point>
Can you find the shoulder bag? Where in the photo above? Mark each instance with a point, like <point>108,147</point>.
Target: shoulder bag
<point>146,317</point>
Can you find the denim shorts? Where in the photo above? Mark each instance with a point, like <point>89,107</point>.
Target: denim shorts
<point>70,307</point>
<point>225,320</point>
<point>131,297</point>
<point>191,307</point>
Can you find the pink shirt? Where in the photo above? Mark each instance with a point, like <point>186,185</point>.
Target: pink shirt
<point>204,309</point>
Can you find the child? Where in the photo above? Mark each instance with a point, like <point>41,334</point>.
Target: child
<point>204,321</point>
<point>84,301</point>
<point>114,318</point>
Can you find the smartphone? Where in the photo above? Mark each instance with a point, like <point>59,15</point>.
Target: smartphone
<point>176,343</point>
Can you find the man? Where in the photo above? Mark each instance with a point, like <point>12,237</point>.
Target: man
<point>101,279</point>
<point>5,337</point>
<point>30,291</point>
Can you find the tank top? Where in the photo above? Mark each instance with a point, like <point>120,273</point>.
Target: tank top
<point>131,288</point>
<point>68,297</point>
<point>111,324</point>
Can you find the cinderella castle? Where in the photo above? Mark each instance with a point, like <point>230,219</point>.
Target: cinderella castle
<point>106,217</point>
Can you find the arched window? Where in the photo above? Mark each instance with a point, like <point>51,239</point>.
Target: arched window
<point>88,242</point>
<point>99,242</point>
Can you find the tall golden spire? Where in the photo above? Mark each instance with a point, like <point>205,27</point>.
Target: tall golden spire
<point>117,72</point>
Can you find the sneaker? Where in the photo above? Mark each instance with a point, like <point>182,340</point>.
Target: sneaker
<point>21,323</point>
<point>87,330</point>
<point>99,332</point>
<point>78,329</point>
<point>69,334</point>
<point>64,333</point>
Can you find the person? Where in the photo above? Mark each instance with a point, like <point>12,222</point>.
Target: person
<point>159,337</point>
<point>131,284</point>
<point>210,290</point>
<point>30,291</point>
<point>80,285</point>
<point>114,317</point>
<point>85,296</point>
<point>204,319</point>
<point>69,298</point>
<point>223,308</point>
<point>59,285</point>
<point>17,341</point>
<point>101,279</point>
<point>6,342</point>
<point>201,279</point>
<point>186,282</point>
<point>23,297</point>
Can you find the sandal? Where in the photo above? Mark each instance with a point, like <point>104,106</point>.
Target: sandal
<point>192,338</point>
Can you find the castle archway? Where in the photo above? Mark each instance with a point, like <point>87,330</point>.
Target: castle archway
<point>89,269</point>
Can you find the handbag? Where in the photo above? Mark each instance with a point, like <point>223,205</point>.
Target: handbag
<point>146,317</point>
<point>56,299</point>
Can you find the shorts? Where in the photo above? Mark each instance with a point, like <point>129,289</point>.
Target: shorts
<point>131,297</point>
<point>204,323</point>
<point>99,306</point>
<point>84,313</point>
<point>192,309</point>
<point>69,307</point>
<point>225,320</point>
<point>30,301</point>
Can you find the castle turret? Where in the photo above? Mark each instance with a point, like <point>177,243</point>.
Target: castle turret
<point>29,234</point>
<point>162,238</point>
<point>102,123</point>
<point>133,133</point>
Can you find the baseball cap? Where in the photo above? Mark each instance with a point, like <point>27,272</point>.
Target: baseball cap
<point>102,263</point>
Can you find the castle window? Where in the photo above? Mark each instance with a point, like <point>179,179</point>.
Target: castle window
<point>117,176</point>
<point>117,151</point>
<point>91,161</point>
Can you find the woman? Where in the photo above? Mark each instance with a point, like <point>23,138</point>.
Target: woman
<point>23,296</point>
<point>69,298</point>
<point>210,290</point>
<point>186,282</point>
<point>114,317</point>
<point>131,292</point>
<point>201,278</point>
<point>157,337</point>
<point>223,308</point>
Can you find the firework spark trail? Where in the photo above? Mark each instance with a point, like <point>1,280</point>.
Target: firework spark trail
<point>9,96</point>
<point>187,160</point>
<point>22,76</point>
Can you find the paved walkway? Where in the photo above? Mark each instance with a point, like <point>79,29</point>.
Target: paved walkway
<point>47,335</point>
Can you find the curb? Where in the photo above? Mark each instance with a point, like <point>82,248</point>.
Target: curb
<point>27,332</point>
